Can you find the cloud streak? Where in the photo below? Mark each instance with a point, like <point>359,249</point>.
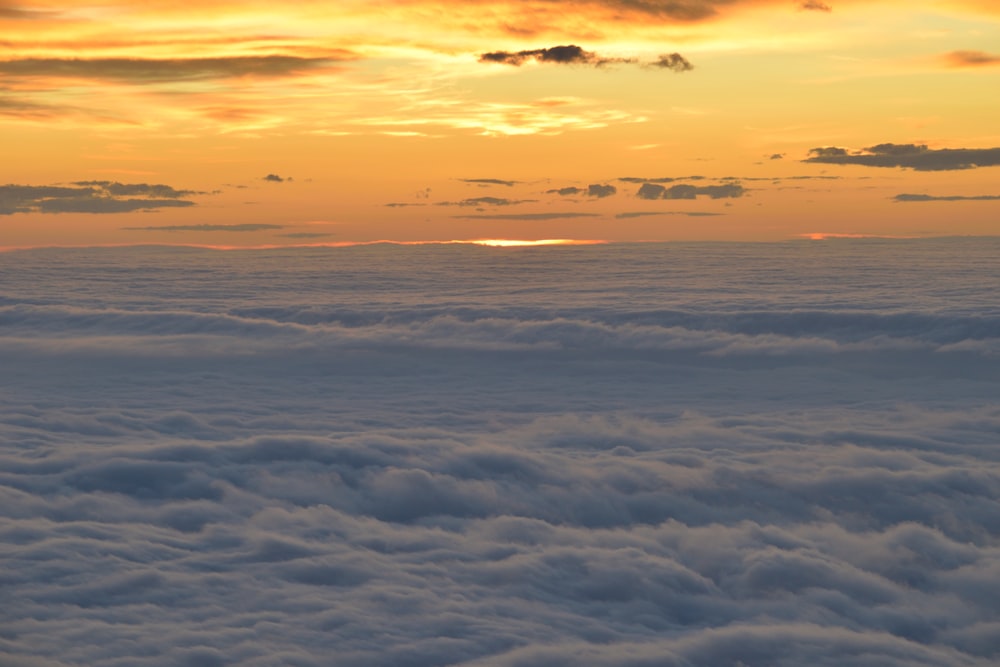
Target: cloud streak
<point>571,54</point>
<point>91,197</point>
<point>908,156</point>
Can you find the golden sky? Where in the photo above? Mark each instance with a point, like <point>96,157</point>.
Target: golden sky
<point>258,123</point>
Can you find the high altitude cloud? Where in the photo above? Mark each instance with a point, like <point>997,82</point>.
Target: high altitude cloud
<point>910,156</point>
<point>147,70</point>
<point>685,191</point>
<point>485,201</point>
<point>239,227</point>
<point>593,190</point>
<point>921,197</point>
<point>972,59</point>
<point>489,181</point>
<point>816,5</point>
<point>572,54</point>
<point>527,216</point>
<point>91,197</point>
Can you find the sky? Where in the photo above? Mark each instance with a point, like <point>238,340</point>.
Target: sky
<point>232,124</point>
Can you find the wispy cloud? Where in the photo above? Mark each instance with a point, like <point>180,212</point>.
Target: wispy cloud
<point>571,54</point>
<point>921,197</point>
<point>910,156</point>
<point>972,59</point>
<point>528,216</point>
<point>242,227</point>
<point>91,197</point>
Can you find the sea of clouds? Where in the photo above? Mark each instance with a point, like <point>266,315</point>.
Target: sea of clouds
<point>642,455</point>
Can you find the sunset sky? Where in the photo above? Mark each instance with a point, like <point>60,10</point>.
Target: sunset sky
<point>251,124</point>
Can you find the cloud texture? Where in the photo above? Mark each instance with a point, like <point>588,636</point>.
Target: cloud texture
<point>453,455</point>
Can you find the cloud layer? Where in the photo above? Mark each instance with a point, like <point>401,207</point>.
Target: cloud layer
<point>455,455</point>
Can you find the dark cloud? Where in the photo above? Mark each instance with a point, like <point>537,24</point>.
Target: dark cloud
<point>241,227</point>
<point>685,191</point>
<point>661,179</point>
<point>972,59</point>
<point>909,156</point>
<point>601,191</point>
<point>776,156</point>
<point>91,197</point>
<point>528,216</point>
<point>485,201</point>
<point>816,5</point>
<point>141,70</point>
<point>643,214</point>
<point>397,204</point>
<point>489,181</point>
<point>274,178</point>
<point>918,197</point>
<point>674,62</point>
<point>566,192</point>
<point>572,54</point>
<point>116,189</point>
<point>593,190</point>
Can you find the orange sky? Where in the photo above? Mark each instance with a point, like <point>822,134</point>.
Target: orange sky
<point>250,123</point>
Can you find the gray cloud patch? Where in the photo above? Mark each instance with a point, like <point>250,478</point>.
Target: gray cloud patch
<point>242,227</point>
<point>910,156</point>
<point>601,190</point>
<point>489,181</point>
<point>91,197</point>
<point>597,190</point>
<point>685,191</point>
<point>674,62</point>
<point>816,5</point>
<point>921,197</point>
<point>644,214</point>
<point>485,201</point>
<point>528,216</point>
<point>572,54</point>
<point>144,70</point>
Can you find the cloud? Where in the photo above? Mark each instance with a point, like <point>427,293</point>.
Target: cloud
<point>566,192</point>
<point>91,197</point>
<point>572,54</point>
<point>528,216</point>
<point>145,70</point>
<point>620,456</point>
<point>643,214</point>
<point>489,181</point>
<point>662,179</point>
<point>972,59</point>
<point>685,191</point>
<point>306,235</point>
<point>597,190</point>
<point>274,178</point>
<point>909,156</point>
<point>241,227</point>
<point>815,5</point>
<point>485,201</point>
<point>601,191</point>
<point>919,197</point>
<point>673,61</point>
